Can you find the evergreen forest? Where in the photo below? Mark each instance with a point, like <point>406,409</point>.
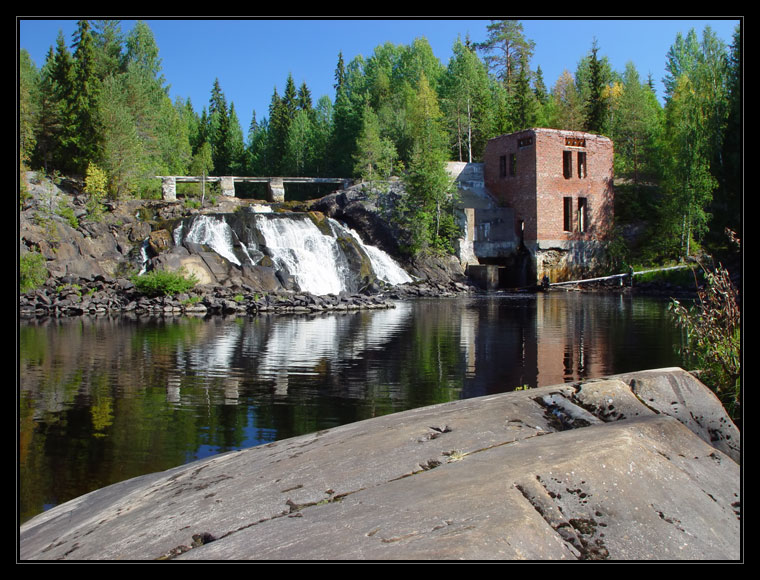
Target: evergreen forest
<point>99,109</point>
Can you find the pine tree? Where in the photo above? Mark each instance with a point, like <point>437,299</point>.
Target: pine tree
<point>49,147</point>
<point>595,106</point>
<point>428,212</point>
<point>257,152</point>
<point>28,106</point>
<point>525,104</point>
<point>340,73</point>
<point>539,88</point>
<point>219,128</point>
<point>543,109</point>
<point>346,123</point>
<point>303,101</point>
<point>279,123</point>
<point>505,48</point>
<point>290,98</point>
<point>109,42</point>
<point>375,155</point>
<point>82,108</point>
<point>236,142</point>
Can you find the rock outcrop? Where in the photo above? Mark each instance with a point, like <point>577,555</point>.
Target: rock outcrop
<point>639,466</point>
<point>89,262</point>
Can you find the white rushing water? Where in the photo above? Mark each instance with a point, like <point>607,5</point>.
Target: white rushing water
<point>309,256</point>
<point>214,232</point>
<point>296,245</point>
<point>384,266</point>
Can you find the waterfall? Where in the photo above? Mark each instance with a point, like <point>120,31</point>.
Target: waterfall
<point>144,258</point>
<point>312,258</point>
<point>385,267</point>
<point>214,232</point>
<point>316,257</point>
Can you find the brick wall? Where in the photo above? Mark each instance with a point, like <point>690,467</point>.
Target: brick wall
<point>525,171</point>
<point>515,191</point>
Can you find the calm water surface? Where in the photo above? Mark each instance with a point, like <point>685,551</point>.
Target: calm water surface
<point>103,400</point>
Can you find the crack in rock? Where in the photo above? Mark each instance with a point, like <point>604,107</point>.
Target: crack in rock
<point>578,532</point>
<point>563,414</point>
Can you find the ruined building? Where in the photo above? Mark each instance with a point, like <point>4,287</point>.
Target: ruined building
<point>541,204</point>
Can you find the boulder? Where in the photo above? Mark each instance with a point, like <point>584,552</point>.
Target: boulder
<point>676,393</point>
<point>352,207</point>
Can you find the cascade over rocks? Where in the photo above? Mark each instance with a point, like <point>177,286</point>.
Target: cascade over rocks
<point>365,213</point>
<point>90,262</point>
<point>354,207</point>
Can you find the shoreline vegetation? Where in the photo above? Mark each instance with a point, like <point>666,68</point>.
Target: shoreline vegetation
<point>99,295</point>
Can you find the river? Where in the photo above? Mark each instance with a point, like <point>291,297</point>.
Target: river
<point>106,399</point>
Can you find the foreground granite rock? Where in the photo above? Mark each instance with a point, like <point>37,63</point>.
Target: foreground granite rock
<point>632,467</point>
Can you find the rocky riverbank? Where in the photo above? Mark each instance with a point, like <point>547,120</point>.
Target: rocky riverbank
<point>88,262</point>
<point>100,295</point>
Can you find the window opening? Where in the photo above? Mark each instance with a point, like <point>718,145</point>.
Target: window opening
<point>582,164</point>
<point>513,164</point>
<point>582,214</point>
<point>568,214</point>
<point>575,142</point>
<point>503,166</point>
<point>567,164</point>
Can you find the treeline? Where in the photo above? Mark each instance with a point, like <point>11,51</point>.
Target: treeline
<point>103,105</point>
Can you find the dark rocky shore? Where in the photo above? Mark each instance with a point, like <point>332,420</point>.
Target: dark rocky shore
<point>90,263</point>
<point>99,295</point>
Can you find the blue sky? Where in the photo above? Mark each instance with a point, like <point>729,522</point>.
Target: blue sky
<point>252,56</point>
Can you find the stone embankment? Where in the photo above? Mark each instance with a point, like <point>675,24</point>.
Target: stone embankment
<point>641,466</point>
<point>100,295</point>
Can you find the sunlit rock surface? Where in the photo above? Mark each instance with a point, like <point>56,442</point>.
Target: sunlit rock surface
<point>632,467</point>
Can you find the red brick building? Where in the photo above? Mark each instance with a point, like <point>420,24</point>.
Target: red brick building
<point>559,184</point>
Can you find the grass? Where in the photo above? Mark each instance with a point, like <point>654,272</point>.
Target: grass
<point>164,283</point>
<point>686,277</point>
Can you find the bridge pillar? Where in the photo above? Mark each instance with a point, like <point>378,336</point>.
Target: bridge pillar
<point>276,189</point>
<point>169,188</point>
<point>228,186</point>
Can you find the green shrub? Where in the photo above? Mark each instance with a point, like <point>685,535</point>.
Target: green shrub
<point>32,271</point>
<point>96,184</point>
<point>164,283</point>
<point>67,213</point>
<point>713,336</point>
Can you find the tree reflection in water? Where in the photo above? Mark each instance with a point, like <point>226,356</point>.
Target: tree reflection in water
<point>103,400</point>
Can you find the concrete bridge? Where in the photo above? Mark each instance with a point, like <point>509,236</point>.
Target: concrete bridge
<point>275,185</point>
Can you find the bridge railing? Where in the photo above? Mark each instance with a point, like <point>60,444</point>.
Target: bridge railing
<point>275,185</point>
